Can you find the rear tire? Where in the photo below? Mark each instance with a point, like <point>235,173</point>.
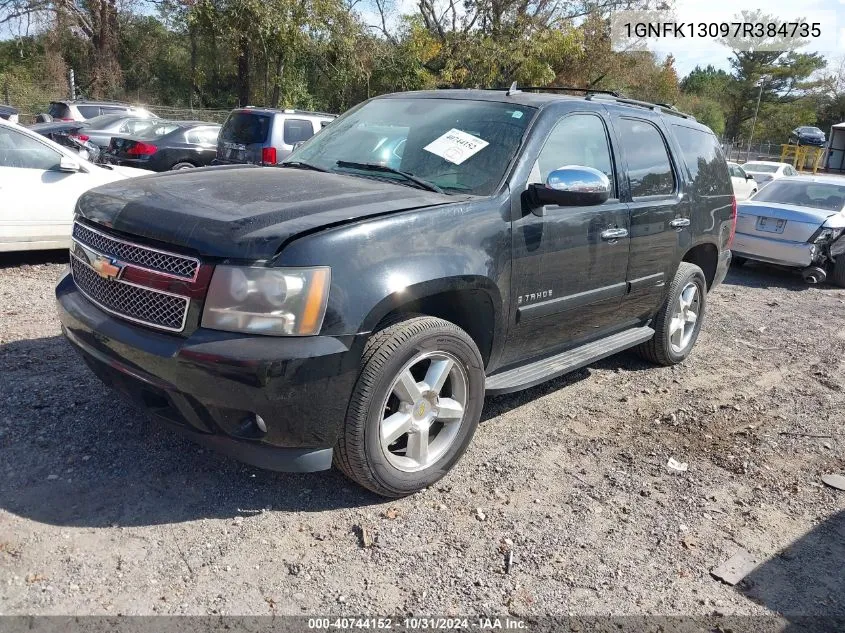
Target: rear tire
<point>183,165</point>
<point>837,272</point>
<point>679,320</point>
<point>415,406</point>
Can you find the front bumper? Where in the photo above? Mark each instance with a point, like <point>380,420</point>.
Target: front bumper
<point>774,251</point>
<point>212,384</point>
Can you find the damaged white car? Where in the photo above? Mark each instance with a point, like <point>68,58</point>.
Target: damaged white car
<point>796,222</point>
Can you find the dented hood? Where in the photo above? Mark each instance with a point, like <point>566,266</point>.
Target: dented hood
<point>243,211</point>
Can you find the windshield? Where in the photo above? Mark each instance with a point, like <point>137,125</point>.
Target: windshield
<point>817,195</point>
<point>760,167</point>
<point>458,145</point>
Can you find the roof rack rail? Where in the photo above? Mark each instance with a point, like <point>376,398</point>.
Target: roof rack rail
<point>657,107</point>
<point>588,91</point>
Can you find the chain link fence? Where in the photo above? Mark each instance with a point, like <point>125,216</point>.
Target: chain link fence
<point>33,97</point>
<point>738,151</point>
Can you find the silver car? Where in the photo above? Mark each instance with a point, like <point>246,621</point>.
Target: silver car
<point>796,222</point>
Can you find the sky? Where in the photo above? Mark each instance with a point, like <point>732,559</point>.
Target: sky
<point>694,10</point>
<point>713,53</point>
<point>686,58</point>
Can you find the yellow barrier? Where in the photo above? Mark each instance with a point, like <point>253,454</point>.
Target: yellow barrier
<point>801,155</point>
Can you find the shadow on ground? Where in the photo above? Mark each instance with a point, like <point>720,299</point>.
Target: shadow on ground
<point>74,453</point>
<point>806,581</point>
<point>33,258</point>
<point>760,275</point>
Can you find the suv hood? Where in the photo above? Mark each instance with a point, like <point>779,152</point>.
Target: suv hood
<point>243,212</point>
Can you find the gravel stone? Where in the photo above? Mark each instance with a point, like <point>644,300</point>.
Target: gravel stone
<point>149,523</point>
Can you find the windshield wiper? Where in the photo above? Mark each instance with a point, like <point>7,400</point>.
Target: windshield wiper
<point>430,186</point>
<point>298,164</point>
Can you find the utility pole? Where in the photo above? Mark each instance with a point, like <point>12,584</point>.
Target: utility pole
<point>71,84</point>
<point>754,122</point>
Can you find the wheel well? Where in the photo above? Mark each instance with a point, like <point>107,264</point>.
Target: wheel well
<point>706,257</point>
<point>470,310</point>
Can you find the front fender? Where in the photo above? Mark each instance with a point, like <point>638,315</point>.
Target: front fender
<point>384,263</point>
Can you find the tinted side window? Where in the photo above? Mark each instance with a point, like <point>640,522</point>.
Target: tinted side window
<point>203,135</point>
<point>579,139</point>
<point>297,130</point>
<point>649,168</point>
<point>705,161</point>
<point>21,151</point>
<point>89,112</point>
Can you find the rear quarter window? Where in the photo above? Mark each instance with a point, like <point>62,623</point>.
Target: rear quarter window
<point>297,130</point>
<point>703,157</point>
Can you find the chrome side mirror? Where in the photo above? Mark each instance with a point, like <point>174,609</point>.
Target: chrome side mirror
<point>570,186</point>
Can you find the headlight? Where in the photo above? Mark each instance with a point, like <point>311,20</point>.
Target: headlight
<point>826,235</point>
<point>274,301</point>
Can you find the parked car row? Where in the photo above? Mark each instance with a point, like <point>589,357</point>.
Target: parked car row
<point>45,167</point>
<point>788,219</point>
<point>283,315</point>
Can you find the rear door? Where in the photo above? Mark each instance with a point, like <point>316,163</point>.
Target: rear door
<point>568,271</point>
<point>659,209</point>
<point>202,143</point>
<point>243,137</point>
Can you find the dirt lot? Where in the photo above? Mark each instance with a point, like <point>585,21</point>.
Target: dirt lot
<point>102,511</point>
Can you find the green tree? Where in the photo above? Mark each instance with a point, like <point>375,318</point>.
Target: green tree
<point>775,71</point>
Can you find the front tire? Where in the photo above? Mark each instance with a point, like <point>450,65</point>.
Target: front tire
<point>415,406</point>
<point>679,320</point>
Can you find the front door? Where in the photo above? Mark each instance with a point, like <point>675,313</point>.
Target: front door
<point>37,198</point>
<point>569,265</point>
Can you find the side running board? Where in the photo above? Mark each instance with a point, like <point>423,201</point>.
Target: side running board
<point>539,371</point>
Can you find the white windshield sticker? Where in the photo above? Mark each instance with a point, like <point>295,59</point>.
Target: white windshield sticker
<point>456,146</point>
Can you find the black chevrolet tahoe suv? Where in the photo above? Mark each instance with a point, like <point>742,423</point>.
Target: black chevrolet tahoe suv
<point>355,305</point>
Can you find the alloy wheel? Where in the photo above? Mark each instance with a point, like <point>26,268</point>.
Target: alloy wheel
<point>423,411</point>
<point>682,326</point>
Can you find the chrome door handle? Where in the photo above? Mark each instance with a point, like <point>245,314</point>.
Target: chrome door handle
<point>614,234</point>
<point>679,223</point>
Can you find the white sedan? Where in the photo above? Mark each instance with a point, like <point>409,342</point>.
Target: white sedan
<point>744,184</point>
<point>764,171</point>
<point>40,182</point>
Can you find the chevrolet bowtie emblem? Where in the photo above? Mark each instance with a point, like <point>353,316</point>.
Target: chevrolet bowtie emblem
<point>106,268</point>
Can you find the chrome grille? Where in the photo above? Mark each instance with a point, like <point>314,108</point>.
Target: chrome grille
<point>142,305</point>
<point>142,256</point>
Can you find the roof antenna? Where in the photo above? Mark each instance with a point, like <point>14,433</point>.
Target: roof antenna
<point>513,90</point>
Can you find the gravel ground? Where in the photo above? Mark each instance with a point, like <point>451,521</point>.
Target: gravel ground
<point>103,512</point>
